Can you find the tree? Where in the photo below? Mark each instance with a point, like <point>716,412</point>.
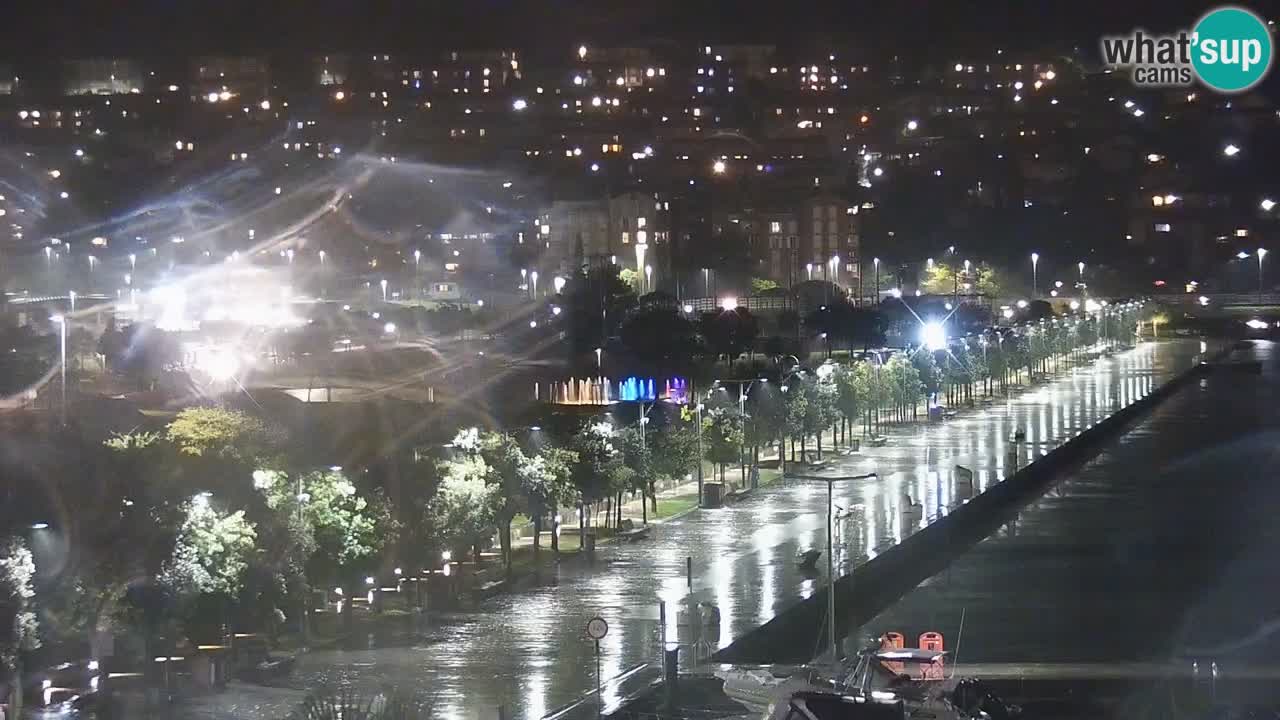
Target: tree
<point>596,301</point>
<point>211,553</point>
<point>504,460</point>
<point>545,479</point>
<point>597,473</point>
<point>19,628</point>
<point>729,333</point>
<point>662,338</point>
<point>637,456</point>
<point>218,433</point>
<point>462,512</point>
<point>675,450</point>
<point>820,405</point>
<point>760,285</point>
<point>722,436</point>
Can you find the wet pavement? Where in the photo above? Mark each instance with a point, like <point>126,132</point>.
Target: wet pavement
<point>527,652</point>
<point>1160,550</point>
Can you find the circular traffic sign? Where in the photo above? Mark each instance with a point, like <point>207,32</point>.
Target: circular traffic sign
<point>597,628</point>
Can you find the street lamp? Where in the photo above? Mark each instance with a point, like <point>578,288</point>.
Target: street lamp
<point>835,268</point>
<point>1262,253</point>
<point>1035,262</point>
<point>417,258</point>
<point>831,578</point>
<point>648,278</point>
<point>133,262</point>
<point>321,254</point>
<point>533,277</point>
<point>876,263</point>
<point>62,367</point>
<point>808,269</point>
<point>71,295</point>
<point>383,283</point>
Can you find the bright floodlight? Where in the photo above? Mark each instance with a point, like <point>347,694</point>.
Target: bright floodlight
<point>519,104</point>
<point>389,328</point>
<point>1230,150</point>
<point>1267,204</point>
<point>912,125</point>
<point>1257,324</point>
<point>933,335</point>
<point>220,365</point>
<point>718,167</point>
<point>729,303</point>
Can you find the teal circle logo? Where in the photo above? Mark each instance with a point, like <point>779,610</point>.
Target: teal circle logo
<point>1231,49</point>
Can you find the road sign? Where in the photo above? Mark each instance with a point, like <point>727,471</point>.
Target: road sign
<point>597,628</point>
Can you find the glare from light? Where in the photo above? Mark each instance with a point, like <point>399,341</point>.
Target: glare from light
<point>1267,204</point>
<point>1075,304</point>
<point>1230,150</point>
<point>1007,313</point>
<point>729,304</point>
<point>389,328</point>
<point>912,125</point>
<point>896,292</point>
<point>934,336</point>
<point>687,308</point>
<point>519,104</point>
<point>1257,324</point>
<point>718,167</point>
<point>1203,300</point>
<point>1022,304</point>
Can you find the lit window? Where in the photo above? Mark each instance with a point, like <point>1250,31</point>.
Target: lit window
<point>775,226</point>
<point>1162,227</point>
<point>1242,232</point>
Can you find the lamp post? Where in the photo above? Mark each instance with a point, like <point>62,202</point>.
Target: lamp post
<point>1035,261</point>
<point>831,578</point>
<point>698,410</point>
<point>533,278</point>
<point>808,268</point>
<point>383,283</point>
<point>876,263</point>
<point>62,366</point>
<point>1262,253</point>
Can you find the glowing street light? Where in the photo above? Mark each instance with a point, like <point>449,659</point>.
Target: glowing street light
<point>533,278</point>
<point>912,124</point>
<point>808,269</point>
<point>519,104</point>
<point>133,262</point>
<point>1262,253</point>
<point>1267,204</point>
<point>729,304</point>
<point>1230,150</point>
<point>718,167</point>
<point>599,352</point>
<point>1035,261</point>
<point>383,283</point>
<point>389,328</point>
<point>648,278</point>
<point>289,254</point>
<point>321,254</point>
<point>934,336</point>
<point>417,258</point>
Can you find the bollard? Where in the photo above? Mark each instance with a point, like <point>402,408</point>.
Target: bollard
<point>671,673</point>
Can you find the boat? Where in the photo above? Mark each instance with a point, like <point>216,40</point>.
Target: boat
<point>901,683</point>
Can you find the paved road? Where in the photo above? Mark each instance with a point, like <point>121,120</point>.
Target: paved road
<point>528,650</point>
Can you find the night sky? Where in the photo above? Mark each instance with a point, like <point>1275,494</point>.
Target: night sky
<point>167,27</point>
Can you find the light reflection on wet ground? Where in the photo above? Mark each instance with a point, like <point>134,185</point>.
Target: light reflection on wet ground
<point>1162,548</point>
<point>528,651</point>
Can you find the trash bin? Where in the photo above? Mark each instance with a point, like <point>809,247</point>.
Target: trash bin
<point>712,494</point>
